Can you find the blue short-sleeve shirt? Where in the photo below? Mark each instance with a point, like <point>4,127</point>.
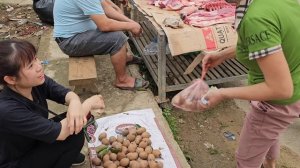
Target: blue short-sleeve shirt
<point>73,16</point>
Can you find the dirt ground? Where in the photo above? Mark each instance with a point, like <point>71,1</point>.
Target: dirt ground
<point>200,135</point>
<point>20,22</point>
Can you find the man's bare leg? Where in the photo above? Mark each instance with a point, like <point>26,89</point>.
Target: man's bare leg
<point>129,54</point>
<point>119,63</point>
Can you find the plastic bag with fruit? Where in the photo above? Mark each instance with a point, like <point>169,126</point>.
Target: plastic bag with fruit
<point>191,98</point>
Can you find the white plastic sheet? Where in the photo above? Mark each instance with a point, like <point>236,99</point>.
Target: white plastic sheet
<point>144,118</point>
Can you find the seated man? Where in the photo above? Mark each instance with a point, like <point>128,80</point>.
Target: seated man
<point>94,27</point>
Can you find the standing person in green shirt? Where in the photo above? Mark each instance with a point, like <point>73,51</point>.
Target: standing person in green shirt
<point>268,46</point>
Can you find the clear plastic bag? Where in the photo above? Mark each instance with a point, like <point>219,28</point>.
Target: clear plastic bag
<point>152,48</point>
<point>191,97</point>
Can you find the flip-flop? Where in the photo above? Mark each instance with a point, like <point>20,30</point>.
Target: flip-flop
<point>139,85</point>
<point>135,60</point>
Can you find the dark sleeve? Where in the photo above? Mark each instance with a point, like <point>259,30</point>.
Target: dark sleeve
<point>19,120</point>
<point>55,91</point>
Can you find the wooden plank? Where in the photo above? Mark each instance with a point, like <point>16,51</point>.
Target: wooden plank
<point>239,65</point>
<point>170,75</point>
<point>180,70</point>
<point>221,71</point>
<point>147,32</point>
<point>233,71</point>
<point>143,40</point>
<point>82,70</point>
<point>175,72</point>
<point>226,70</point>
<point>198,69</point>
<point>236,66</point>
<point>161,64</point>
<point>193,74</point>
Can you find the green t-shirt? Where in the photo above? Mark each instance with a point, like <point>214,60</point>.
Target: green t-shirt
<point>268,27</point>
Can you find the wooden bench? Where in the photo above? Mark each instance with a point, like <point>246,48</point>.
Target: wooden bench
<point>83,74</point>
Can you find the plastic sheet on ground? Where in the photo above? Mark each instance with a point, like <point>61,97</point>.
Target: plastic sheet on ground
<point>145,118</point>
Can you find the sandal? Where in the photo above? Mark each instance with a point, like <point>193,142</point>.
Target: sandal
<point>135,60</point>
<point>139,85</point>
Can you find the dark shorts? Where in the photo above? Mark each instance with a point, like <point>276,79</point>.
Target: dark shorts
<point>93,42</point>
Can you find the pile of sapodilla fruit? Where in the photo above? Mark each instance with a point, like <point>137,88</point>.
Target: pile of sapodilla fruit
<point>132,149</point>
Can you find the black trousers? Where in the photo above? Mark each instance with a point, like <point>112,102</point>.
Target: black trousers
<point>60,154</point>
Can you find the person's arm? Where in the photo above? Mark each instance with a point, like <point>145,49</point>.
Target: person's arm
<point>75,114</point>
<point>278,81</point>
<point>113,5</point>
<point>94,102</point>
<point>112,13</point>
<point>277,85</point>
<point>65,131</point>
<point>211,60</point>
<point>106,24</point>
<point>228,53</point>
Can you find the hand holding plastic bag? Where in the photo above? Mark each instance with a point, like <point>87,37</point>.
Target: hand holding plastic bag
<point>192,98</point>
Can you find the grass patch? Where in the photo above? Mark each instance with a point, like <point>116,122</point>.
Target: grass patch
<point>213,151</point>
<point>223,125</point>
<point>171,121</point>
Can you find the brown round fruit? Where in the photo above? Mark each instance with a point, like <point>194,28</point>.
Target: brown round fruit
<point>140,130</point>
<point>113,156</point>
<point>148,149</point>
<point>124,162</point>
<point>131,137</point>
<point>102,135</point>
<point>146,135</point>
<point>112,139</point>
<point>132,156</point>
<point>105,141</point>
<point>120,156</point>
<point>156,153</point>
<point>96,161</point>
<point>143,155</point>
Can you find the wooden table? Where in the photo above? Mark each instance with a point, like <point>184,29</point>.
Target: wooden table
<point>166,70</point>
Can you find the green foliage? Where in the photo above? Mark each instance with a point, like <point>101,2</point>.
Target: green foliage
<point>213,151</point>
<point>167,113</point>
<point>223,125</point>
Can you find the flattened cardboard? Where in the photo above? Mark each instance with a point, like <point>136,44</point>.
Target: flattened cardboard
<point>190,39</point>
